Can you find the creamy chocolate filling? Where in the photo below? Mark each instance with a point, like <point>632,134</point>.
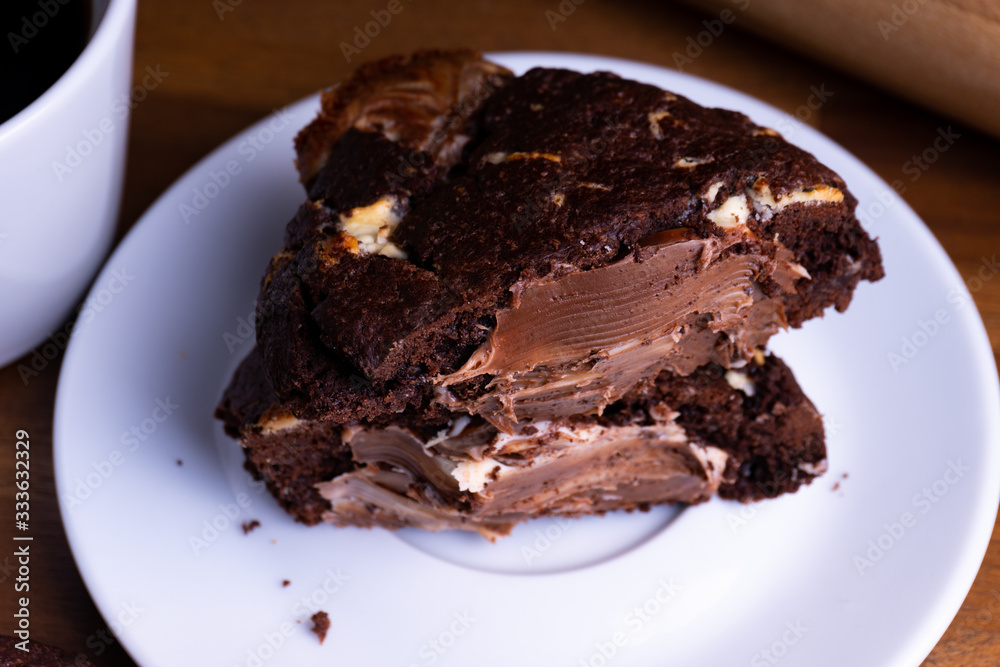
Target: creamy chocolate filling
<point>399,449</point>
<point>575,344</point>
<point>547,468</point>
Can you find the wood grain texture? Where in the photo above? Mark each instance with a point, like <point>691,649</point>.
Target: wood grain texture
<point>224,72</point>
<point>944,54</point>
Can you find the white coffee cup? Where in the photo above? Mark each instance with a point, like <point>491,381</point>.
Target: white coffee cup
<point>62,166</point>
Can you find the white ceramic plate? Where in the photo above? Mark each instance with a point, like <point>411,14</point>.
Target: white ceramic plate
<point>869,574</point>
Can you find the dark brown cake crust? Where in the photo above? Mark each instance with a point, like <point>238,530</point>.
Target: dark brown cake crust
<point>289,467</point>
<point>552,169</point>
<point>769,436</point>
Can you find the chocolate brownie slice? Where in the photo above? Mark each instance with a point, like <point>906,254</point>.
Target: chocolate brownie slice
<point>536,247</point>
<point>746,434</point>
<point>510,297</point>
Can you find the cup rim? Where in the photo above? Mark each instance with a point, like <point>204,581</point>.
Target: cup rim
<point>111,25</point>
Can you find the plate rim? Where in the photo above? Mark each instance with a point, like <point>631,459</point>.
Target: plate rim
<point>951,596</point>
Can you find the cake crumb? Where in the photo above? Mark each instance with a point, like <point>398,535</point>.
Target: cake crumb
<point>248,526</point>
<point>285,583</point>
<point>836,486</point>
<point>180,462</point>
<point>321,624</point>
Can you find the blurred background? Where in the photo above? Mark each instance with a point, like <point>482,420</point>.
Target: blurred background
<point>911,87</point>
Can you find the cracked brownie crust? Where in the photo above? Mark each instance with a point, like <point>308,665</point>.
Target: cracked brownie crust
<point>766,436</point>
<point>516,296</point>
<point>441,186</point>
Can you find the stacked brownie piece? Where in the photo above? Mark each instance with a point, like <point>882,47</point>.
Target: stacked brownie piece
<point>510,297</point>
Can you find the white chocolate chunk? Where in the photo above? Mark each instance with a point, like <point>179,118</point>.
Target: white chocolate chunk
<point>799,270</point>
<point>654,122</point>
<point>474,475</point>
<point>533,155</point>
<point>713,192</point>
<point>732,213</point>
<point>762,195</point>
<point>690,162</point>
<point>741,382</point>
<point>813,468</point>
<point>372,225</point>
<point>277,419</point>
<point>713,460</point>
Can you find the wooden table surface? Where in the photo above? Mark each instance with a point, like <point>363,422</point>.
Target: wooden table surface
<point>228,63</point>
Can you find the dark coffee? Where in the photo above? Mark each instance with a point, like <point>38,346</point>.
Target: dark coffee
<point>41,39</point>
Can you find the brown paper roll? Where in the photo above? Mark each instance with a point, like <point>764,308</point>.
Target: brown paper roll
<point>944,54</point>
